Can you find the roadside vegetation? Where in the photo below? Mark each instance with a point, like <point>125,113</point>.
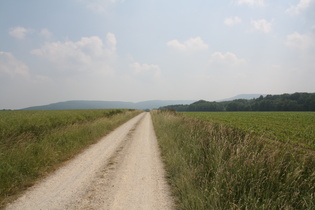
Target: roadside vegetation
<point>33,143</point>
<point>211,165</point>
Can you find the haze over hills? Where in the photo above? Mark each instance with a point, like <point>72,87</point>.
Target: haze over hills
<point>151,104</point>
<point>85,104</point>
<point>243,96</point>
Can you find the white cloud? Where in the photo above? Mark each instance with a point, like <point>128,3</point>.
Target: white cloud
<point>139,68</point>
<point>299,41</point>
<point>19,32</point>
<point>11,66</point>
<point>262,25</point>
<point>190,45</point>
<point>259,3</point>
<point>297,9</point>
<point>99,6</point>
<point>87,54</point>
<point>111,42</point>
<point>45,33</point>
<point>227,59</point>
<point>232,21</point>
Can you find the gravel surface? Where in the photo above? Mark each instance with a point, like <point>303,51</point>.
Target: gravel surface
<point>122,171</point>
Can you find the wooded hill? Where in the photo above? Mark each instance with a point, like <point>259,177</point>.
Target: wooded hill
<point>284,102</point>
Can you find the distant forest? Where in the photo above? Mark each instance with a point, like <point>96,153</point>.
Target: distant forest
<point>284,102</point>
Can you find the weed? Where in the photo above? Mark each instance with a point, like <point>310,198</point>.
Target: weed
<point>212,166</point>
<point>33,143</point>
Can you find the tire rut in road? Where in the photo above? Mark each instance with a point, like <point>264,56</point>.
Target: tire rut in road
<point>95,196</point>
<point>140,181</point>
<point>121,171</point>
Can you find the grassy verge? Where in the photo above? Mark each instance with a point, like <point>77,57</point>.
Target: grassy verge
<point>211,166</point>
<point>35,143</point>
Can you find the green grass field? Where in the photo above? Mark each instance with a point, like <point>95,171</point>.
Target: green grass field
<point>294,127</point>
<point>33,143</point>
<point>217,166</point>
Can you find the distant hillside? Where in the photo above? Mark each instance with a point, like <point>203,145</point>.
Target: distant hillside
<point>82,104</point>
<point>243,96</point>
<point>284,102</point>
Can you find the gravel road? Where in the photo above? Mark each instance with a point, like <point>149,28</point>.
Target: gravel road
<point>122,171</point>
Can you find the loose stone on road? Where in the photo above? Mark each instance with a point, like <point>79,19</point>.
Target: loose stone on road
<point>122,171</point>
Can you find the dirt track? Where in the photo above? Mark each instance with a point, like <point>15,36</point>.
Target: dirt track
<point>122,171</point>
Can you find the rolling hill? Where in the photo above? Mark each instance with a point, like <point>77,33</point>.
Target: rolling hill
<point>84,104</point>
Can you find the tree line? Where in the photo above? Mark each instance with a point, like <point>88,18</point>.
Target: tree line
<point>284,102</point>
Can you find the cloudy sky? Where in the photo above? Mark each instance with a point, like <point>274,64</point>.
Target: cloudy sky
<point>135,50</point>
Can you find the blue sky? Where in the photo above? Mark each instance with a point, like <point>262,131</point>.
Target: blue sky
<point>137,50</point>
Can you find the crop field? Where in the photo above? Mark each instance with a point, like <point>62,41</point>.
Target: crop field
<point>33,143</point>
<point>213,164</point>
<point>34,124</point>
<point>293,127</point>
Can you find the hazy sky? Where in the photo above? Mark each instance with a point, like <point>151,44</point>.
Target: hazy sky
<point>135,50</point>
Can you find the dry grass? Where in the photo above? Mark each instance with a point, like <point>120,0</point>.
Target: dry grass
<point>37,142</point>
<point>211,166</point>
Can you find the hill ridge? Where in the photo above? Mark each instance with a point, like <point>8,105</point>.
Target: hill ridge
<point>98,104</point>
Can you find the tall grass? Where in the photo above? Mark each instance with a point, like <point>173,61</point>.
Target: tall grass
<point>211,166</point>
<point>37,142</point>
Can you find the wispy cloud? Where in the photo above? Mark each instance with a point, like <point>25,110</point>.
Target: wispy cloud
<point>190,45</point>
<point>45,33</point>
<point>19,32</point>
<point>226,59</point>
<point>9,65</point>
<point>100,6</point>
<point>152,69</point>
<point>297,9</point>
<point>111,42</point>
<point>262,25</point>
<point>299,41</point>
<point>259,3</point>
<point>232,21</point>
